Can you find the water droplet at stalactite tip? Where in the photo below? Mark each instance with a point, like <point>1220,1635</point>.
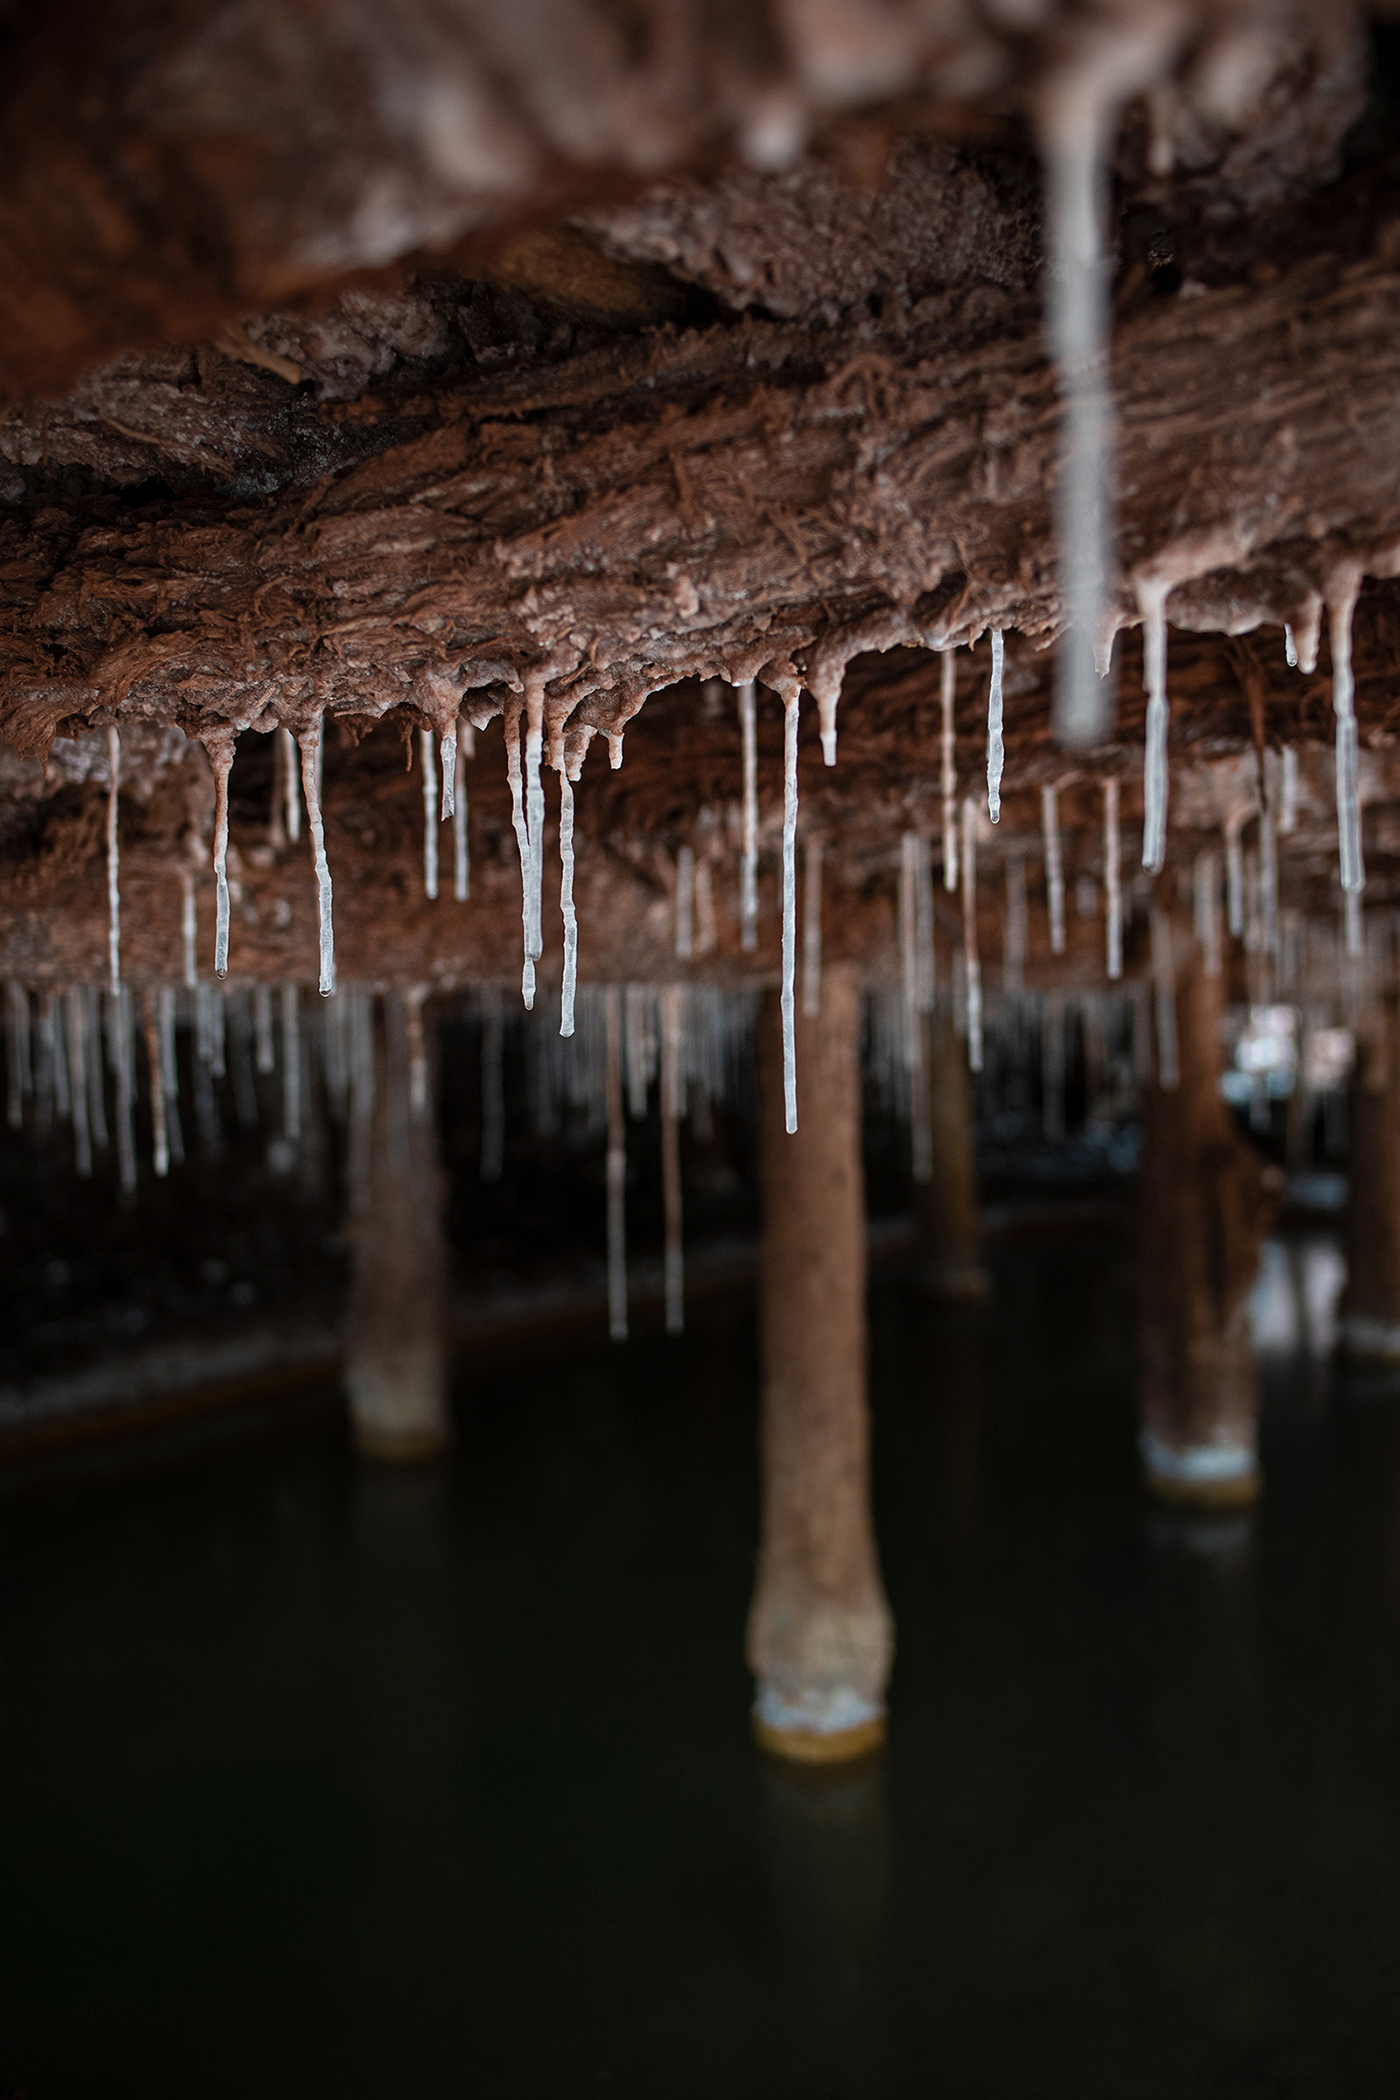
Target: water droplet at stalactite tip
<point>790,715</point>
<point>996,752</point>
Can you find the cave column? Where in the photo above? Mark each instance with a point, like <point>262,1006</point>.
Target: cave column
<point>820,1636</point>
<point>945,1205</point>
<point>397,1345</point>
<point>1202,1217</point>
<point>1370,1323</point>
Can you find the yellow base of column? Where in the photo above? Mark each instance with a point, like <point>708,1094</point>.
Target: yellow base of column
<point>809,1746</point>
<point>1237,1493</point>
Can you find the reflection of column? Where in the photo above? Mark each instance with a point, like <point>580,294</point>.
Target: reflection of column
<point>1370,1322</point>
<point>945,1206</point>
<point>825,1850</point>
<point>396,1348</point>
<point>1203,1212</point>
<point>820,1635</point>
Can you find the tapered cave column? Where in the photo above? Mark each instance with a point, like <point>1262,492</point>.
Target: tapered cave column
<point>1203,1212</point>
<point>1370,1324</point>
<point>396,1348</point>
<point>945,1206</point>
<point>820,1636</point>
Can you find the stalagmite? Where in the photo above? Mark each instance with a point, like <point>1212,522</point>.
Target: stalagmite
<point>493,1088</point>
<point>1152,599</point>
<point>1054,867</point>
<point>119,1056</point>
<point>310,746</point>
<point>812,927</point>
<point>291,1065</point>
<point>515,777</point>
<point>1112,881</point>
<point>290,771</point>
<point>1369,1328</point>
<point>1341,609</point>
<point>685,898</point>
<point>996,750</point>
<point>616,1168</point>
<point>461,863</point>
<point>428,765</point>
<point>397,1339</point>
<point>672,1011</point>
<point>75,1029</point>
<point>819,1636</point>
<point>748,866</point>
<point>947,689</point>
<point>1206,897</point>
<point>1203,1209</point>
<point>1164,999</point>
<point>790,707</point>
<point>971,960</point>
<point>221,760</point>
<point>566,901</point>
<point>114,895</point>
<point>159,1144</point>
<point>19,1071</point>
<point>189,929</point>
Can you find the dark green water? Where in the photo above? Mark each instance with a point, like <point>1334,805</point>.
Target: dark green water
<point>319,1781</point>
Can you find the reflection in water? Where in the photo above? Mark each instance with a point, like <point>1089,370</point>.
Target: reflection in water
<point>320,1779</point>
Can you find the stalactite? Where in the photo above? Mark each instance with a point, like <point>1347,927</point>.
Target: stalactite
<point>1112,882</point>
<point>1290,647</point>
<point>221,760</point>
<point>534,814</point>
<point>971,960</point>
<point>812,927</point>
<point>1054,867</point>
<point>514,726</point>
<point>996,750</point>
<point>428,764</point>
<point>790,707</point>
<point>685,900</point>
<point>1152,599</point>
<point>119,1056</point>
<point>310,746</point>
<point>114,895</point>
<point>748,867</point>
<point>276,816</point>
<point>672,1014</point>
<point>463,745</point>
<point>616,1169</point>
<point>566,900</point>
<point>947,690</point>
<point>1353,941</point>
<point>290,774</point>
<point>92,1065</point>
<point>1341,608</point>
<point>447,752</point>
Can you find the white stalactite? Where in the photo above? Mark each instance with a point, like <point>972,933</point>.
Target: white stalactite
<point>114,894</point>
<point>1112,881</point>
<point>428,764</point>
<point>948,676</point>
<point>972,965</point>
<point>447,752</point>
<point>1152,600</point>
<point>515,777</point>
<point>566,899</point>
<point>748,866</point>
<point>461,863</point>
<point>534,815</point>
<point>996,750</point>
<point>310,741</point>
<point>291,767</point>
<point>120,1057</point>
<point>1340,609</point>
<point>790,712</point>
<point>1290,647</point>
<point>1054,867</point>
<point>221,759</point>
